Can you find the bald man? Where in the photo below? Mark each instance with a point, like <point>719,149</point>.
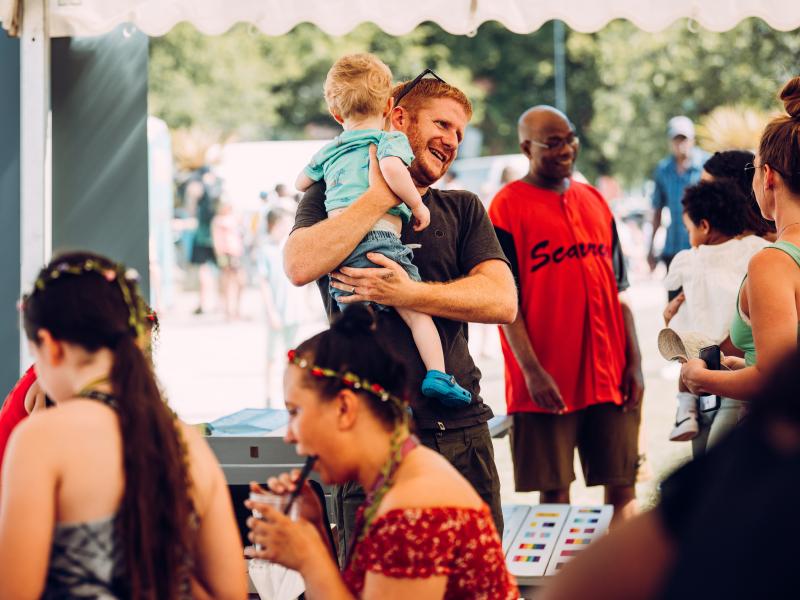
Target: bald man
<point>572,362</point>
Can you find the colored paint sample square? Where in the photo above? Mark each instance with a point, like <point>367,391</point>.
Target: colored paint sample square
<point>545,514</point>
<point>548,524</point>
<point>545,534</point>
<point>569,552</point>
<point>538,546</point>
<point>595,511</point>
<point>559,565</point>
<point>593,520</point>
<point>533,524</point>
<point>570,541</point>
<point>589,530</point>
<point>584,541</point>
<point>579,520</point>
<point>526,559</point>
<point>574,530</point>
<point>530,534</point>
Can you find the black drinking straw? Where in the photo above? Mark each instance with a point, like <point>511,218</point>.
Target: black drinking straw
<point>304,473</point>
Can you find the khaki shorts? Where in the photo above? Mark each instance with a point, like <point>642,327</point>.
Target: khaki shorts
<point>543,447</point>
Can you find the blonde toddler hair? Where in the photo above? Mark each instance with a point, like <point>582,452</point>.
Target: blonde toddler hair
<point>358,85</point>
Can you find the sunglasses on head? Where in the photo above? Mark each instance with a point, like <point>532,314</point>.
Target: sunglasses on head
<point>410,85</point>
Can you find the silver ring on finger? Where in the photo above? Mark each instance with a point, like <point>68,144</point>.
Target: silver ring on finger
<point>353,291</point>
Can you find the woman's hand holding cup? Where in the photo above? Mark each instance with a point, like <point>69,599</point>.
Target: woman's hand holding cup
<point>307,503</point>
<point>278,538</point>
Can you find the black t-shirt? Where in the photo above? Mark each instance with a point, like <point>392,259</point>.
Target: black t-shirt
<point>459,238</point>
<point>733,516</point>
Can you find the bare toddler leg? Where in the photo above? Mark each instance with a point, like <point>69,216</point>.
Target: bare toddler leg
<point>437,383</point>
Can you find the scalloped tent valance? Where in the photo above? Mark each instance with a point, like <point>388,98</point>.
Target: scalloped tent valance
<point>275,17</point>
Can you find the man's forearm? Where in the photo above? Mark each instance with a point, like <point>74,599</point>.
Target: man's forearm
<point>487,295</point>
<point>517,337</point>
<point>632,353</point>
<point>656,226</point>
<point>312,252</point>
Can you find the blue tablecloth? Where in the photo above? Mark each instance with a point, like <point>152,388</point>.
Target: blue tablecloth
<point>249,421</point>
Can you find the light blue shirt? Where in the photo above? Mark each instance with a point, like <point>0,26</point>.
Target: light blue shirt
<point>344,164</point>
<point>290,301</point>
<point>669,191</point>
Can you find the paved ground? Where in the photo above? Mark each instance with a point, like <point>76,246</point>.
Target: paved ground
<point>211,367</point>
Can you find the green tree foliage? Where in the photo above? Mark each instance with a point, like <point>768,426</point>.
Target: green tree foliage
<point>622,84</point>
<point>647,78</point>
<point>260,87</point>
<point>517,72</point>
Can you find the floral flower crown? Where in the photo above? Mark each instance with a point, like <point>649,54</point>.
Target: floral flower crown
<point>125,278</point>
<point>347,378</point>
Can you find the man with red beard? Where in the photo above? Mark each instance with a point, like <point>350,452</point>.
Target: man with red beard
<point>465,278</point>
<point>572,362</point>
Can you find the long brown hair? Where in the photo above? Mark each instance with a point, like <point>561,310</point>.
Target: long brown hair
<point>88,300</point>
<point>780,142</point>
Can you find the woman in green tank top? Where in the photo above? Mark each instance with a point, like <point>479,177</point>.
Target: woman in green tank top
<point>768,308</point>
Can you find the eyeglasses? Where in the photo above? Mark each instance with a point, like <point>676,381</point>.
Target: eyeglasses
<point>410,85</point>
<point>557,144</point>
<point>752,167</point>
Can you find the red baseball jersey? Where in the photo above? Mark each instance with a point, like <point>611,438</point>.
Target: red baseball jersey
<point>13,411</point>
<point>569,268</point>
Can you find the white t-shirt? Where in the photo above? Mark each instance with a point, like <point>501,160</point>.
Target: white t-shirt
<point>710,277</point>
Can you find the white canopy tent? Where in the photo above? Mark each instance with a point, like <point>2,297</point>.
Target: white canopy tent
<point>37,21</point>
<point>275,17</point>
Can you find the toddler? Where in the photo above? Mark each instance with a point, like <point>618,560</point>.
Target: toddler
<point>703,282</point>
<point>358,93</point>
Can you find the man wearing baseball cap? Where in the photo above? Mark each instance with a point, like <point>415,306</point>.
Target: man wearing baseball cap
<point>673,175</point>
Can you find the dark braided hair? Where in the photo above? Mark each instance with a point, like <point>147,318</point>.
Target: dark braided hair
<point>718,202</point>
<point>730,165</point>
<point>352,345</point>
<point>100,307</point>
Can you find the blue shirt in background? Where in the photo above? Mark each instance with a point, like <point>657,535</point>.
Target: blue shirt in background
<point>344,164</point>
<point>669,191</point>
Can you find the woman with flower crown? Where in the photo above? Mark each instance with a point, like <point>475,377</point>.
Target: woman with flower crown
<point>108,495</point>
<point>423,531</point>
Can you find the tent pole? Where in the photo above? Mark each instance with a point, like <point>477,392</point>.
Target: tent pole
<point>559,52</point>
<point>35,202</point>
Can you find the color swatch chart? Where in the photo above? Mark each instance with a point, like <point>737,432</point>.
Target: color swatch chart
<point>584,525</point>
<point>513,517</point>
<point>539,539</point>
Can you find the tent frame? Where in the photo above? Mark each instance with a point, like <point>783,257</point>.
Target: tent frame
<point>35,201</point>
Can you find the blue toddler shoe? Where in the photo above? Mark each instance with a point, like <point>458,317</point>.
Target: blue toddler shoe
<point>444,387</point>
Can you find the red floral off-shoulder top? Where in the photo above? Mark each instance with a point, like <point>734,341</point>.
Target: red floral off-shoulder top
<point>460,543</point>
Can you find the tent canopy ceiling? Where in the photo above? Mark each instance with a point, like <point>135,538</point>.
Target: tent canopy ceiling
<point>275,17</point>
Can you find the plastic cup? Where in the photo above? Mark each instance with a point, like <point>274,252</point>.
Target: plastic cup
<point>276,501</point>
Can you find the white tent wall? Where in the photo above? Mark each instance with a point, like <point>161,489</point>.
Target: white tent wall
<point>35,209</point>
